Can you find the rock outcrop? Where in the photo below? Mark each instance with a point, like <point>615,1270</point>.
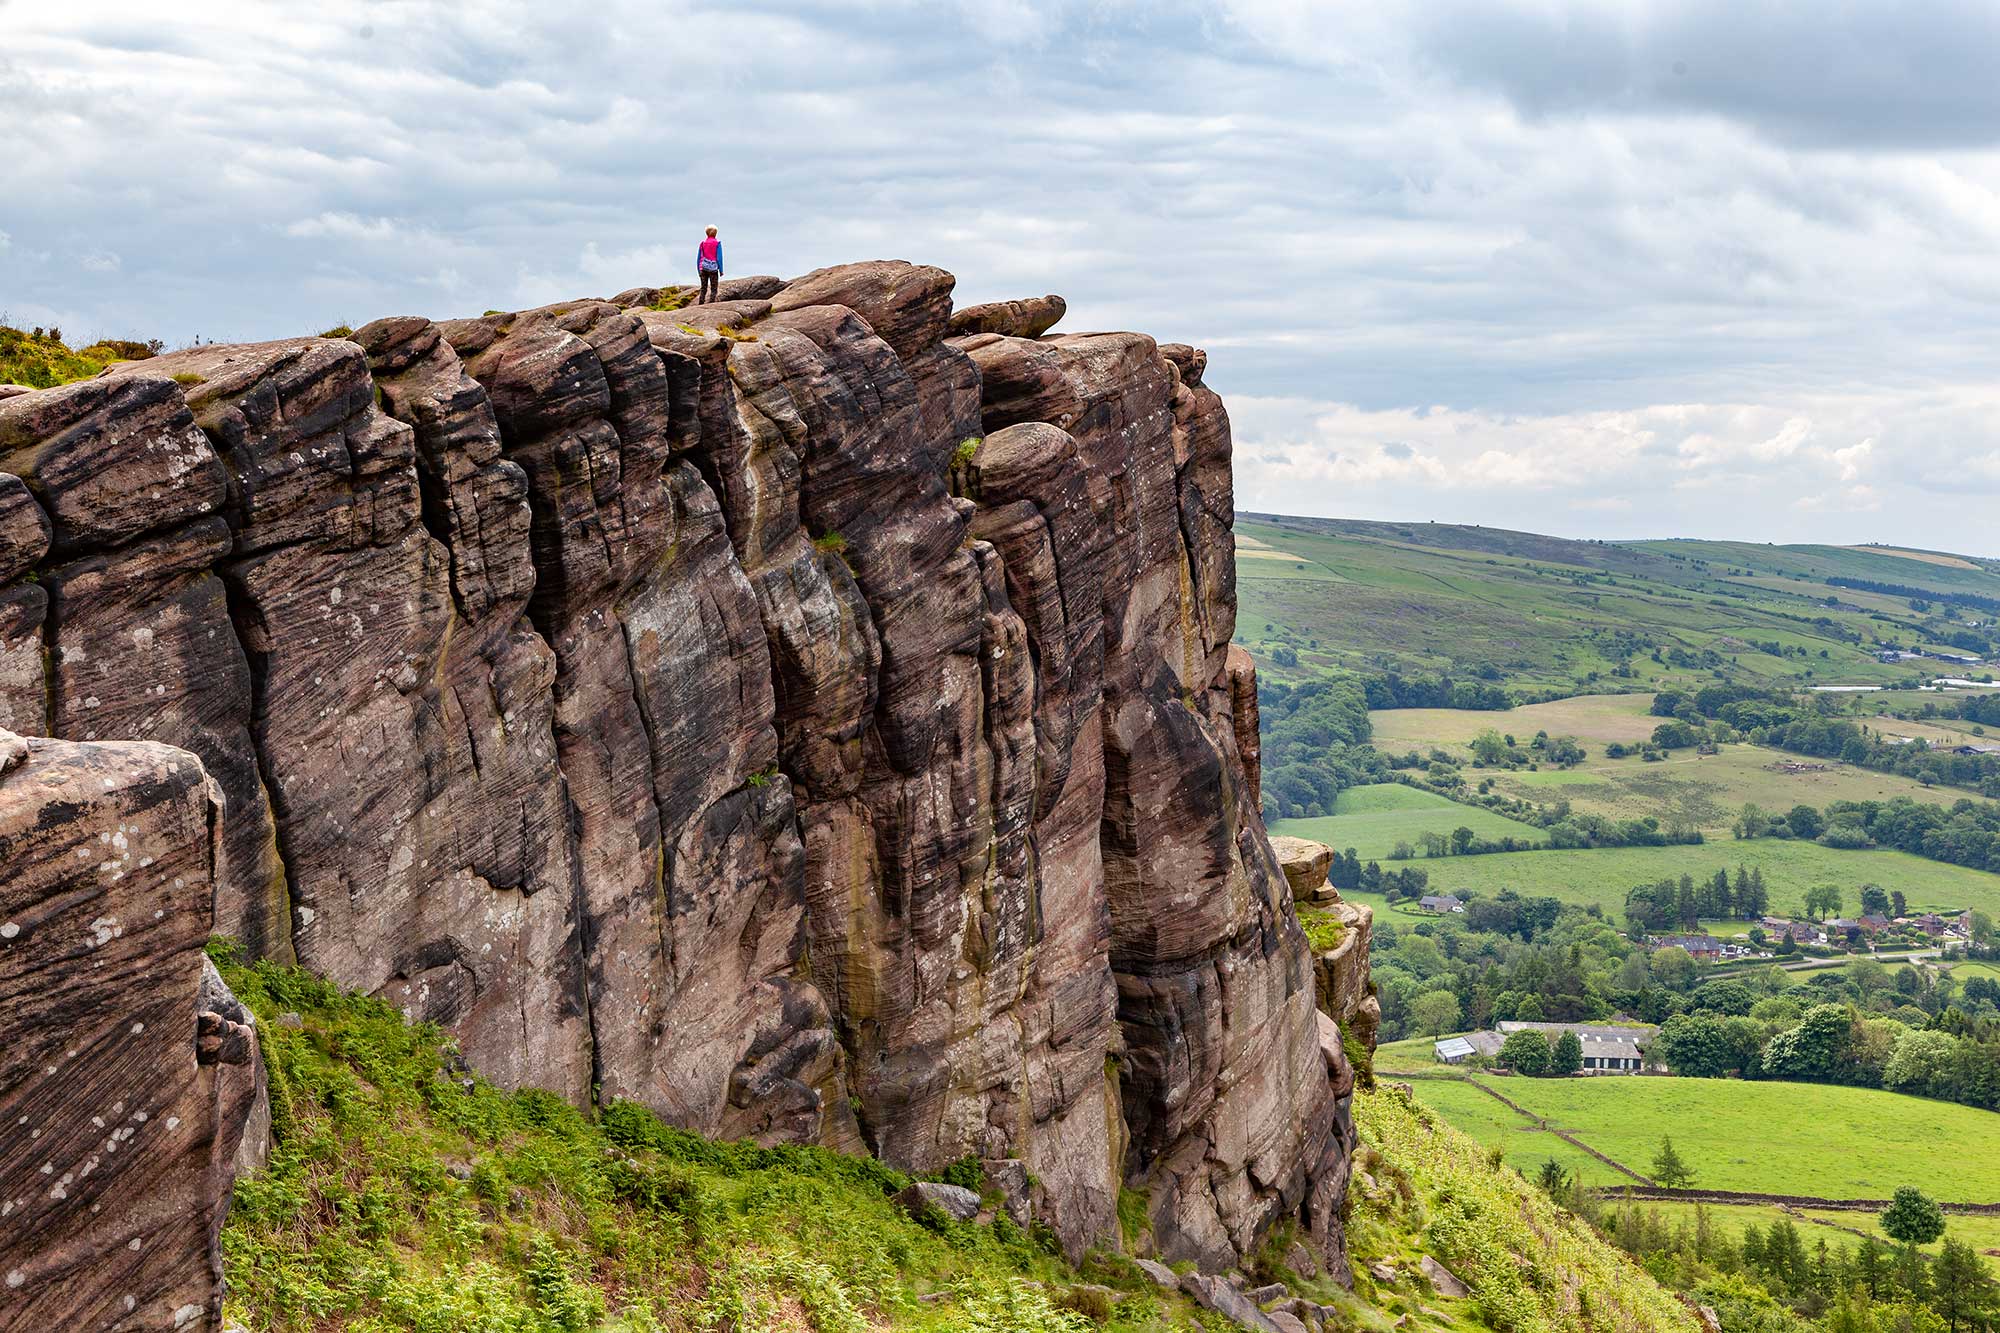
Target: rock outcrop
<point>127,1076</point>
<point>810,715</point>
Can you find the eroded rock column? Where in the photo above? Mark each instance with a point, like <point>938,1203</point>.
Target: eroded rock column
<point>124,1098</point>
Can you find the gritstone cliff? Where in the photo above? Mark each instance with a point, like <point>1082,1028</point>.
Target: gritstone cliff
<point>809,715</point>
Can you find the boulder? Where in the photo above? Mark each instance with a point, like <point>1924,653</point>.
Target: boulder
<point>1443,1281</point>
<point>1009,1176</point>
<point>1287,1322</point>
<point>1029,318</point>
<point>1213,1293</point>
<point>1159,1273</point>
<point>954,1201</point>
<point>1305,865</point>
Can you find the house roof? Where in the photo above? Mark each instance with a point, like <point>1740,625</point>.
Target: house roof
<point>1454,1048</point>
<point>1600,1041</point>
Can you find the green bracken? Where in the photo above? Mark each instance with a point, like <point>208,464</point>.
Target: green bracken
<point>405,1193</point>
<point>39,359</point>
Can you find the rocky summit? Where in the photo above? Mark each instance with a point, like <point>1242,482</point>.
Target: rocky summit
<point>809,715</point>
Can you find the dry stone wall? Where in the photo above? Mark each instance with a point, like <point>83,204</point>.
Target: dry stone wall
<point>810,715</point>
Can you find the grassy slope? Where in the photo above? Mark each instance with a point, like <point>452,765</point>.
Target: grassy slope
<point>1542,610</point>
<point>1373,819</point>
<point>404,1195</point>
<point>1425,1188</point>
<point>1781,1138</point>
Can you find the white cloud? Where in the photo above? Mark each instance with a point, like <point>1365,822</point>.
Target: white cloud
<point>1506,237</point>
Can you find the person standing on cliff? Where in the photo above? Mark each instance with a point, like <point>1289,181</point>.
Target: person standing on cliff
<point>708,263</point>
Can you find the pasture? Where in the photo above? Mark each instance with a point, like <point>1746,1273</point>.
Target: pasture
<point>1373,819</point>
<point>1781,1138</point>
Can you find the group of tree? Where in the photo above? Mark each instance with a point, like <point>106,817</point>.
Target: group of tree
<point>1395,690</point>
<point>1492,748</point>
<point>1314,745</point>
<point>1530,1052</point>
<point>1949,1056</point>
<point>1965,833</point>
<point>1511,955</point>
<point>1669,904</point>
<point>1770,1280</point>
<point>1812,725</point>
<point>1461,841</point>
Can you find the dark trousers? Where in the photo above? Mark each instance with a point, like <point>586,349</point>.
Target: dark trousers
<point>711,287</point>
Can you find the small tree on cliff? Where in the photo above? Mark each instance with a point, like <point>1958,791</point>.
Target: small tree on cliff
<point>1668,1168</point>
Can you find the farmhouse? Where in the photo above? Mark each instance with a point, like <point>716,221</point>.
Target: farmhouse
<point>1701,948</point>
<point>1802,932</point>
<point>1608,1048</point>
<point>1441,903</point>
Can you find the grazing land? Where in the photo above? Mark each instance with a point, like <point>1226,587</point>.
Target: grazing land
<point>1778,1138</point>
<point>1374,818</point>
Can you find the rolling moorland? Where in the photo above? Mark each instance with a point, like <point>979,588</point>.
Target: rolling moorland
<point>1481,713</point>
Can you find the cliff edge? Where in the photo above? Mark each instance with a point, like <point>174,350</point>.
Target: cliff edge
<point>808,715</point>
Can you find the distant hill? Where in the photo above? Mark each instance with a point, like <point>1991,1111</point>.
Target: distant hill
<point>1543,616</point>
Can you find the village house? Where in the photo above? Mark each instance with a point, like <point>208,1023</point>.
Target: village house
<point>1608,1048</point>
<point>1701,948</point>
<point>1802,932</point>
<point>1441,903</point>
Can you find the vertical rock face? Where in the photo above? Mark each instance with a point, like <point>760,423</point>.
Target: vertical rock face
<point>125,1081</point>
<point>809,715</point>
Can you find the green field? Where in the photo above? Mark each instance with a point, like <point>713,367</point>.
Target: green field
<point>1704,791</point>
<point>1545,613</point>
<point>1781,1138</point>
<point>1373,819</point>
<point>1604,875</point>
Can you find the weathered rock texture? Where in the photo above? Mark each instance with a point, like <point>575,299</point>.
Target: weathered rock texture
<point>810,715</point>
<point>126,1076</point>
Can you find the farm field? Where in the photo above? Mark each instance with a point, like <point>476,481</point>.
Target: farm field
<point>1525,1147</point>
<point>1709,791</point>
<point>1704,791</point>
<point>1373,819</point>
<point>1604,875</point>
<point>1594,719</point>
<point>1735,1135</point>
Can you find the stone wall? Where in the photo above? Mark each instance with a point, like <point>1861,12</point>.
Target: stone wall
<point>809,715</point>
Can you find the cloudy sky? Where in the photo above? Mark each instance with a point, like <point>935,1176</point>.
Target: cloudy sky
<point>1715,267</point>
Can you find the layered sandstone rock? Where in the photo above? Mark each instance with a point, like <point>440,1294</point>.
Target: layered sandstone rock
<point>126,1077</point>
<point>811,715</point>
<point>1305,864</point>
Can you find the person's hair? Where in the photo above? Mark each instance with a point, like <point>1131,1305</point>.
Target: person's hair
<point>711,231</point>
